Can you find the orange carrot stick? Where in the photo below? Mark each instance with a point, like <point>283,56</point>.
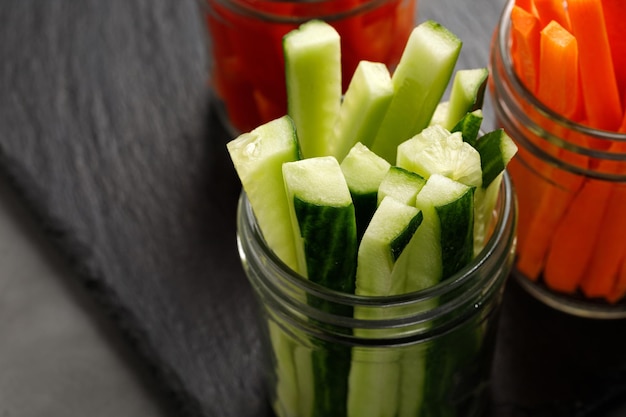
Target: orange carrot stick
<point>549,10</point>
<point>609,251</point>
<point>601,95</point>
<point>525,50</point>
<point>558,90</point>
<point>575,237</point>
<point>558,70</point>
<point>614,14</point>
<point>604,268</point>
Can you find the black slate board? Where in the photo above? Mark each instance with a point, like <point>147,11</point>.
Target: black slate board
<point>107,133</point>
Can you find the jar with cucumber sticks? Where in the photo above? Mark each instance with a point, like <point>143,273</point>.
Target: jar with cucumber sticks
<point>570,180</point>
<point>418,354</point>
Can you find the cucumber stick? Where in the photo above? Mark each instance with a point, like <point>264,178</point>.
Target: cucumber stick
<point>364,105</point>
<point>313,79</point>
<point>258,157</point>
<point>324,224</point>
<point>444,241</point>
<point>419,82</point>
<point>467,94</point>
<point>496,150</point>
<point>390,230</point>
<point>363,171</point>
<point>441,246</point>
<point>375,373</point>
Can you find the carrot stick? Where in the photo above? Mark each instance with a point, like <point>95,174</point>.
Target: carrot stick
<point>575,237</point>
<point>549,10</point>
<point>601,95</point>
<point>614,13</point>
<point>558,70</point>
<point>609,251</point>
<point>558,90</point>
<point>604,268</point>
<point>525,50</point>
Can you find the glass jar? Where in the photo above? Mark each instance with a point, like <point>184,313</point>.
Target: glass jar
<point>423,353</point>
<point>246,41</point>
<point>570,181</point>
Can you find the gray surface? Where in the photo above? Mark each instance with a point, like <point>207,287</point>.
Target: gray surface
<point>59,354</point>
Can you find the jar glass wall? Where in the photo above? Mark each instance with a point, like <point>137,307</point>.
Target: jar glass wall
<point>571,185</point>
<point>422,353</point>
<point>247,72</point>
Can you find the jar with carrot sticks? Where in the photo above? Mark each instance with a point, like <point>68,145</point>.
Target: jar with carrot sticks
<point>247,74</point>
<point>559,89</point>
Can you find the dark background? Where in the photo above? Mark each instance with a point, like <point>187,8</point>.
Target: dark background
<point>120,287</point>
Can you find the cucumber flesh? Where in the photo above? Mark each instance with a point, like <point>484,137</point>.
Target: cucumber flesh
<point>409,150</point>
<point>419,82</point>
<point>363,107</point>
<point>363,171</point>
<point>375,373</point>
<point>400,184</point>
<point>313,89</point>
<point>446,154</point>
<point>387,235</point>
<point>325,232</point>
<point>444,241</point>
<point>469,126</point>
<point>447,207</point>
<point>466,95</point>
<point>496,150</point>
<point>258,157</point>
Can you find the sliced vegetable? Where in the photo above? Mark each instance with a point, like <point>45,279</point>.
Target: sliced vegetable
<point>364,105</point>
<point>601,95</point>
<point>467,94</point>
<point>419,82</point>
<point>258,157</point>
<point>442,153</point>
<point>313,90</point>
<point>444,241</point>
<point>390,230</point>
<point>363,171</point>
<point>324,225</point>
<point>525,28</point>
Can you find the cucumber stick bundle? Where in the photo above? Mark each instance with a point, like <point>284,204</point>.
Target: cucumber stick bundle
<point>381,191</point>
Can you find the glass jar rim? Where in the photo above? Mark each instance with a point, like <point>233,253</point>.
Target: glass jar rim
<point>503,45</point>
<point>244,8</point>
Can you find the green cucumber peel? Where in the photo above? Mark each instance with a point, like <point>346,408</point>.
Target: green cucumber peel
<point>496,150</point>
<point>419,82</point>
<point>428,258</point>
<point>363,171</point>
<point>323,221</point>
<point>469,126</point>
